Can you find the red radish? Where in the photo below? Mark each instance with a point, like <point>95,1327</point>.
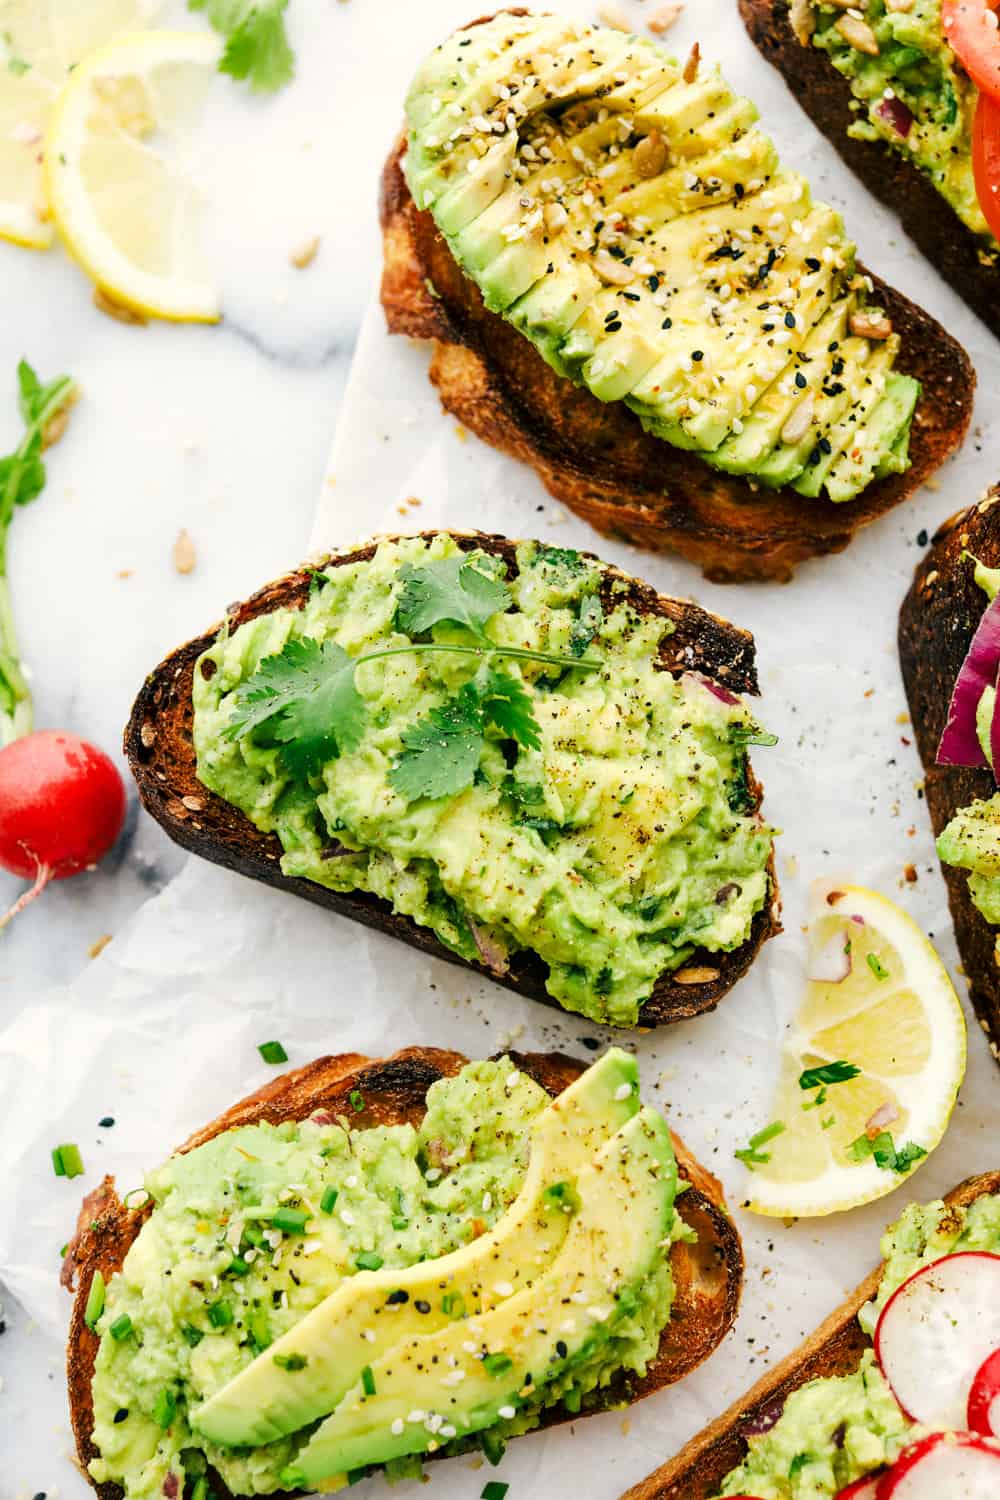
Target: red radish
<point>62,805</point>
<point>934,1333</point>
<point>984,1398</point>
<point>861,1489</point>
<point>945,1466</point>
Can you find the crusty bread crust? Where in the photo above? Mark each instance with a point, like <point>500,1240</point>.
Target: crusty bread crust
<point>160,751</point>
<point>835,1348</point>
<point>937,621</point>
<point>708,1275</point>
<point>595,457</point>
<point>826,97</point>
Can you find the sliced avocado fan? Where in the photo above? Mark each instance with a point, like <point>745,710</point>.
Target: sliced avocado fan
<point>438,1387</point>
<point>371,1313</point>
<point>630,219</point>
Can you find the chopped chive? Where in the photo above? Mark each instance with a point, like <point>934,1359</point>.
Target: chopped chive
<point>237,1266</point>
<point>368,1260</point>
<point>252,1234</point>
<point>494,1490</point>
<point>825,1124</point>
<point>192,1335</point>
<point>67,1161</point>
<point>220,1314</point>
<point>835,1072</point>
<point>95,1300</point>
<point>290,1220</point>
<point>751,1154</point>
<point>62,1252</point>
<point>453,1305</point>
<point>201,1490</point>
<point>290,1361</point>
<point>357,1101</point>
<point>328,1201</point>
<point>368,1381</point>
<point>165,1407</point>
<point>877,967</point>
<point>398,1223</point>
<point>496,1364</point>
<point>259,1328</point>
<point>272,1052</point>
<point>121,1327</point>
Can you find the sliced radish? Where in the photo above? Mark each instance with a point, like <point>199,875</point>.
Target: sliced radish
<point>945,1466</point>
<point>934,1333</point>
<point>984,1398</point>
<point>861,1489</point>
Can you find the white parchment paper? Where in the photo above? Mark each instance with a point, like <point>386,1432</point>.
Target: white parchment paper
<point>161,1031</point>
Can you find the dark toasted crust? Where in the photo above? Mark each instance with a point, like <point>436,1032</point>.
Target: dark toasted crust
<point>595,457</point>
<point>826,97</point>
<point>708,1275</point>
<point>835,1348</point>
<point>937,621</point>
<point>160,752</point>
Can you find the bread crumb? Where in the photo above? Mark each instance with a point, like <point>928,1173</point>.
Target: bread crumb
<point>933,485</point>
<point>910,874</point>
<point>184,554</point>
<point>303,255</point>
<point>100,945</point>
<point>124,573</point>
<point>665,17</point>
<point>112,309</point>
<point>690,72</point>
<point>610,15</point>
<point>461,434</point>
<point>902,718</point>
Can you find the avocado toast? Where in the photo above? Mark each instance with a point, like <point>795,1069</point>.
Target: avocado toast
<point>423,1138</point>
<point>579,821</point>
<point>883,144</point>
<point>937,622</point>
<point>757,1448</point>
<point>626,290</point>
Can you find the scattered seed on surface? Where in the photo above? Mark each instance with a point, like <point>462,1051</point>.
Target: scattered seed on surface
<point>184,555</point>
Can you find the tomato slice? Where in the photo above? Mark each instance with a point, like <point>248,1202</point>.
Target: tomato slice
<point>974,36</point>
<point>986,160</point>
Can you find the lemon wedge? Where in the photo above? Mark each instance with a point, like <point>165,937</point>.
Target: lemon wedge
<point>116,175</point>
<point>872,1066</point>
<point>39,46</point>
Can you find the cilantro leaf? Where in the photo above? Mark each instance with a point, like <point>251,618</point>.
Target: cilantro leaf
<point>586,625</point>
<point>751,734</point>
<point>835,1072</point>
<point>751,1155</point>
<point>883,1148</point>
<point>463,590</point>
<point>441,752</point>
<point>508,707</point>
<point>307,698</point>
<point>257,47</point>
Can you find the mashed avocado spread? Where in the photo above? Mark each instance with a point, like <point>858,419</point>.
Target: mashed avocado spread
<point>971,840</point>
<point>253,1232</point>
<point>512,771</point>
<point>838,1429</point>
<point>909,92</point>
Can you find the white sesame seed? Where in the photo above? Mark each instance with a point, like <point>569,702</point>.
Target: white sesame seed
<point>417,1416</point>
<point>507,1412</point>
<point>397,1427</point>
<point>503,1289</point>
<point>622,1092</point>
<point>368,1334</point>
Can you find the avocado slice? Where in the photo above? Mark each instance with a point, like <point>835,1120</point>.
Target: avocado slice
<point>874,449</point>
<point>626,1212</point>
<point>370,1313</point>
<point>867,390</point>
<point>972,839</point>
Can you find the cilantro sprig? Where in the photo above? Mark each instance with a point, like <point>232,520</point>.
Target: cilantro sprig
<point>886,1153</point>
<point>751,1155</point>
<point>22,479</point>
<point>257,47</point>
<point>835,1072</point>
<point>305,698</point>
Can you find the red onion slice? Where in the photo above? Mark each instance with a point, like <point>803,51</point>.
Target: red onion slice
<point>493,954</point>
<point>897,115</point>
<point>960,743</point>
<point>715,688</point>
<point>995,731</point>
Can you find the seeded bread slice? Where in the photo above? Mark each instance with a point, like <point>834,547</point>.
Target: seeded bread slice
<point>937,621</point>
<point>708,1274</point>
<point>595,457</point>
<point>160,751</point>
<point>835,1348</point>
<point>826,97</point>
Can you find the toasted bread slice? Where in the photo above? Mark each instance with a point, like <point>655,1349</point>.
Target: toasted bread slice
<point>161,754</point>
<point>595,457</point>
<point>937,621</point>
<point>708,1274</point>
<point>928,219</point>
<point>835,1348</point>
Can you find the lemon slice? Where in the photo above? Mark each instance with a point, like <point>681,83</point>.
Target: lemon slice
<point>117,176</point>
<point>39,45</point>
<point>879,999</point>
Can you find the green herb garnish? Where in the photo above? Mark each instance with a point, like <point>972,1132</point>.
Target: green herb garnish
<point>586,625</point>
<point>462,590</point>
<point>121,1328</point>
<point>290,1220</point>
<point>290,1361</point>
<point>877,967</point>
<point>67,1161</point>
<point>356,1101</point>
<point>494,1490</point>
<point>441,752</point>
<point>835,1072</point>
<point>368,1260</point>
<point>220,1314</point>
<point>257,47</point>
<point>95,1300</point>
<point>272,1052</point>
<point>751,1154</point>
<point>328,1201</point>
<point>22,479</point>
<point>165,1407</point>
<point>496,1364</point>
<point>883,1148</point>
<point>368,1381</point>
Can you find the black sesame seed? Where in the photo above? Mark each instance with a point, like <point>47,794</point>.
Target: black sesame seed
<point>697,355</point>
<point>398,1296</point>
<point>800,380</point>
<point>789,320</point>
<point>422,1307</point>
<point>120,1414</point>
<point>667,323</point>
<point>107,1122</point>
<point>561,1349</point>
<point>922,539</point>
